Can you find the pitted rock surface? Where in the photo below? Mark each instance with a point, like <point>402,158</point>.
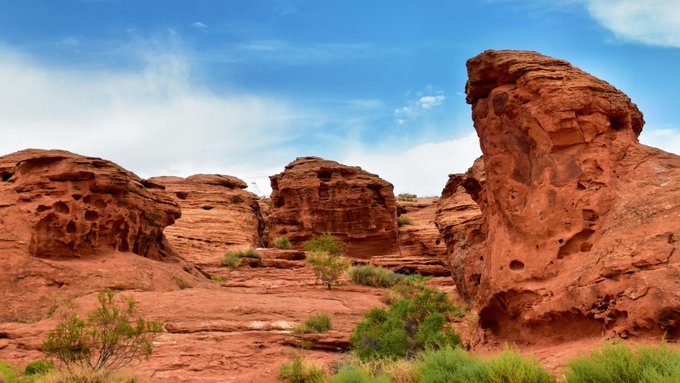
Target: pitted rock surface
<point>314,196</point>
<point>581,221</point>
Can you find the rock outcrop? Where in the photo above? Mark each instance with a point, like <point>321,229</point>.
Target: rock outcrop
<point>55,204</point>
<point>217,214</point>
<point>421,249</point>
<point>71,224</point>
<point>459,220</point>
<point>581,222</point>
<point>314,196</point>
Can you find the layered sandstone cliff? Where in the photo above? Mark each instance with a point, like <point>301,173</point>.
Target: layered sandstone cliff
<point>314,196</point>
<point>580,221</point>
<point>217,214</point>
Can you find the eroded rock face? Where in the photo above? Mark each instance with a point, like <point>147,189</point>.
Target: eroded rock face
<point>217,214</point>
<point>314,196</point>
<point>55,204</point>
<point>460,222</point>
<point>581,220</point>
<point>71,225</point>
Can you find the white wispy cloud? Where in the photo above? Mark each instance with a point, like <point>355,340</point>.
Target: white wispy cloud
<point>199,25</point>
<point>422,169</point>
<point>153,121</point>
<point>429,98</point>
<point>429,102</point>
<point>652,22</point>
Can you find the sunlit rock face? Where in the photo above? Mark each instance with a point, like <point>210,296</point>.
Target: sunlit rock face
<point>314,196</point>
<point>580,222</point>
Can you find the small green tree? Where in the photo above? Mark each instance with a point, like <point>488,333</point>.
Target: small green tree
<point>328,268</point>
<point>325,242</point>
<point>282,243</point>
<point>110,338</point>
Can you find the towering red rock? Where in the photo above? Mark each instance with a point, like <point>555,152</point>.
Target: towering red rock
<point>314,196</point>
<point>217,214</point>
<point>582,221</point>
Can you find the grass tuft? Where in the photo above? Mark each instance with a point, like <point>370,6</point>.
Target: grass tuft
<point>315,323</point>
<point>301,371</point>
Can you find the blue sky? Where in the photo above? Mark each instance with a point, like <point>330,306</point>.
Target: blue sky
<point>242,87</point>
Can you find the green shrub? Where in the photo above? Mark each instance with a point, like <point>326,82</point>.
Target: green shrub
<point>406,328</point>
<point>407,197</point>
<point>282,243</point>
<point>110,338</point>
<point>87,376</point>
<point>231,261</point>
<point>39,367</point>
<point>248,252</point>
<point>388,370</point>
<point>454,365</point>
<point>217,278</point>
<point>369,275</point>
<point>301,371</point>
<point>355,374</point>
<point>403,221</point>
<point>324,243</point>
<point>315,323</point>
<point>620,363</point>
<point>328,268</point>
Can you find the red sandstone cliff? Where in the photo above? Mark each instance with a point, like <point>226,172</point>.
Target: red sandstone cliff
<point>582,222</point>
<point>314,196</point>
<point>217,214</point>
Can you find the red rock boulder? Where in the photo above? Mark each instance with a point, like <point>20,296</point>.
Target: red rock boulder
<point>217,214</point>
<point>314,196</point>
<point>581,220</point>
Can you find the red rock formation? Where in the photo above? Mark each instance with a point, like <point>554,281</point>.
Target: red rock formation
<point>421,249</point>
<point>459,219</point>
<point>217,214</point>
<point>582,220</point>
<point>314,196</point>
<point>71,224</point>
<point>57,204</point>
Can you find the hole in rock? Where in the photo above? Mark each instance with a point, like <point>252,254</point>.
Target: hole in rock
<point>91,215</point>
<point>437,242</point>
<point>6,177</point>
<point>61,207</point>
<point>71,227</point>
<point>516,265</point>
<point>207,207</point>
<point>560,241</point>
<point>578,242</point>
<point>324,175</point>
<point>182,195</point>
<point>87,199</point>
<point>617,122</point>
<point>324,192</point>
<point>76,197</point>
<point>42,208</point>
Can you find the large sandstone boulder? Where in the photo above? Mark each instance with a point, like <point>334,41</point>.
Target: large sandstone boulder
<point>314,196</point>
<point>71,224</point>
<point>581,222</point>
<point>217,214</point>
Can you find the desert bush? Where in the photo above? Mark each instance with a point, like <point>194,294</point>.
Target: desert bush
<point>282,243</point>
<point>324,243</point>
<point>301,371</point>
<point>88,376</point>
<point>406,328</point>
<point>407,197</point>
<point>32,373</point>
<point>108,339</point>
<point>231,261</point>
<point>248,252</point>
<point>369,275</point>
<point>218,279</point>
<point>328,268</point>
<point>394,370</point>
<point>315,323</point>
<point>454,365</point>
<point>354,374</point>
<point>621,363</point>
<point>403,221</point>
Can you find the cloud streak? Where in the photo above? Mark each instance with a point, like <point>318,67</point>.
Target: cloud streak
<point>651,22</point>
